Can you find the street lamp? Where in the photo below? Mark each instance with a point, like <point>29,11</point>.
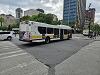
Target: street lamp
<point>89,18</point>
<point>89,21</point>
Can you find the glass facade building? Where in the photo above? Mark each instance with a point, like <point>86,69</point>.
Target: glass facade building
<point>74,12</point>
<point>69,14</point>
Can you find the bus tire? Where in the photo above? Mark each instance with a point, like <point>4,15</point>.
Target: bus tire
<point>9,38</point>
<point>47,40</point>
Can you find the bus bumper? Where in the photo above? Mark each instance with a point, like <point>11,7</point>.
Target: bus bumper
<point>25,40</point>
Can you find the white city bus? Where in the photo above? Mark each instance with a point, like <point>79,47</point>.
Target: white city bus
<point>31,31</point>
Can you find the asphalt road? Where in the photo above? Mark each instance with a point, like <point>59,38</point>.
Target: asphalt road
<point>55,52</point>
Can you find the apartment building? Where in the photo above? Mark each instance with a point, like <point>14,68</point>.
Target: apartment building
<point>8,19</point>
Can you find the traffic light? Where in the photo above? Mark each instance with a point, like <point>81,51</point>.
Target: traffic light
<point>92,19</point>
<point>78,21</point>
<point>74,25</point>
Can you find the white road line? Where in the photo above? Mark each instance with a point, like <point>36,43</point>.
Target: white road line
<point>13,55</point>
<point>9,48</point>
<point>8,45</point>
<point>11,52</point>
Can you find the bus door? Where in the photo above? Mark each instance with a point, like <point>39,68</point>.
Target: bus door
<point>70,33</point>
<point>61,34</point>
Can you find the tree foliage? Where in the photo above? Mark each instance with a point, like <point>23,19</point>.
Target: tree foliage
<point>9,27</point>
<point>69,24</point>
<point>56,23</point>
<point>24,18</point>
<point>1,20</point>
<point>3,27</point>
<point>44,18</point>
<point>95,27</point>
<point>48,19</point>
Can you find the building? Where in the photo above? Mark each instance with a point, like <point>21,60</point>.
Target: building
<point>90,16</point>
<point>8,19</point>
<point>19,13</point>
<point>74,12</point>
<point>40,10</point>
<point>31,12</point>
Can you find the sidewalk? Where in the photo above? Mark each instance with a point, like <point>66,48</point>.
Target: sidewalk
<point>97,38</point>
<point>85,62</point>
<point>15,61</point>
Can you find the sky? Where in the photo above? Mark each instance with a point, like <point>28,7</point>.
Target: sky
<point>49,6</point>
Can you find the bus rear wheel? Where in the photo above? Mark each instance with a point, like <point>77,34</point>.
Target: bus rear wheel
<point>47,40</point>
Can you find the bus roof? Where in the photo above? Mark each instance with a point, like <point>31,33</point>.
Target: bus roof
<point>65,27</point>
<point>47,25</point>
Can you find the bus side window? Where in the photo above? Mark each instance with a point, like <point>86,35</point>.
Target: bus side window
<point>42,30</point>
<point>56,31</point>
<point>65,31</point>
<point>49,30</point>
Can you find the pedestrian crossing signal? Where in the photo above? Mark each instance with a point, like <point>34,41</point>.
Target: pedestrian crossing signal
<point>92,19</point>
<point>78,21</point>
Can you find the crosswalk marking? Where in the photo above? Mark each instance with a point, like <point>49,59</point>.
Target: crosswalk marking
<point>13,55</point>
<point>14,60</point>
<point>11,52</point>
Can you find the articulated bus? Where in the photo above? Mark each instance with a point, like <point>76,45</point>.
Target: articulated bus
<point>31,31</point>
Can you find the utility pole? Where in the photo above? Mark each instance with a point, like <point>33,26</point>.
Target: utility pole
<point>89,17</point>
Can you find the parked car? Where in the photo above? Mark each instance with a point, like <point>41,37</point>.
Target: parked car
<point>6,35</point>
<point>86,32</point>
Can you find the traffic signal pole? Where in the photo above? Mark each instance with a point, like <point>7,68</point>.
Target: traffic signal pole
<point>89,13</point>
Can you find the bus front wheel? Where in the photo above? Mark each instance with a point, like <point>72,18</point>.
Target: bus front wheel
<point>47,40</point>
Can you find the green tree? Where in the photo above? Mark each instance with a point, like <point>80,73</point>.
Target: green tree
<point>24,18</point>
<point>44,18</point>
<point>65,23</point>
<point>56,23</point>
<point>48,19</point>
<point>34,18</point>
<point>1,20</point>
<point>3,27</point>
<point>41,17</point>
<point>95,27</point>
<point>12,26</point>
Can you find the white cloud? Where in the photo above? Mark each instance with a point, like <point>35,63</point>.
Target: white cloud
<point>49,6</point>
<point>1,11</point>
<point>56,7</point>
